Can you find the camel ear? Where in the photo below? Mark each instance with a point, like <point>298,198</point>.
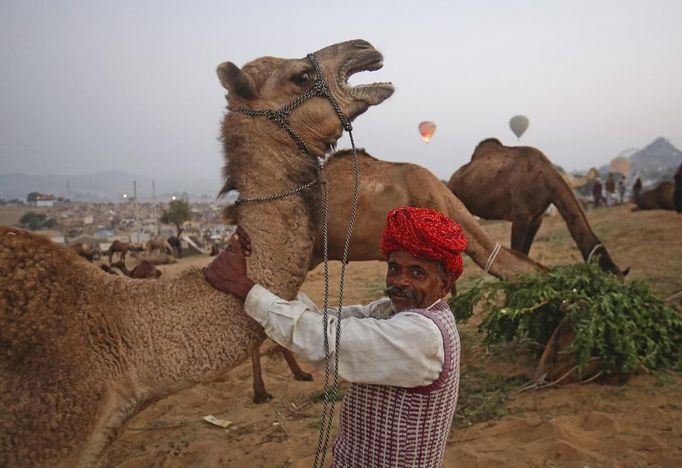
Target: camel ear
<point>235,81</point>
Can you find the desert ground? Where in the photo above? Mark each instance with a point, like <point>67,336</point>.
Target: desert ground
<point>576,425</point>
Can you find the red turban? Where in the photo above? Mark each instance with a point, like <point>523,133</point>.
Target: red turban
<point>424,233</point>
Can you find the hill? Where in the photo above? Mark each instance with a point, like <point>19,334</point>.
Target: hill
<point>105,186</point>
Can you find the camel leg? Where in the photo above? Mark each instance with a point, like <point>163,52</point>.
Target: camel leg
<point>533,227</point>
<point>519,232</point>
<point>299,374</point>
<point>260,395</point>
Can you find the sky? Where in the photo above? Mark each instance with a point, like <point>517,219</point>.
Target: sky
<point>91,85</point>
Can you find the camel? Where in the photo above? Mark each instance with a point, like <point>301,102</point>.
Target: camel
<point>122,248</point>
<point>658,198</point>
<point>81,351</point>
<point>517,184</point>
<point>386,185</point>
<point>144,269</point>
<point>578,182</point>
<point>158,243</point>
<point>87,251</point>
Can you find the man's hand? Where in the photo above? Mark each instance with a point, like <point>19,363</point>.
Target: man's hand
<point>227,272</point>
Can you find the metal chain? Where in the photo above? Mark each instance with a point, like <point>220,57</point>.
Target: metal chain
<point>281,117</point>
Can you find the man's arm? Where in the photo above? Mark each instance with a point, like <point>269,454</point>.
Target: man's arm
<point>405,350</point>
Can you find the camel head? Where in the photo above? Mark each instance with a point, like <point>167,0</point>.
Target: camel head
<point>272,83</point>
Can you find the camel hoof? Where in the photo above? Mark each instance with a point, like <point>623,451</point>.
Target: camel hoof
<point>304,377</point>
<point>259,398</point>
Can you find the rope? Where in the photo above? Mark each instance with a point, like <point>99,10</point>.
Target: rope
<point>594,249</point>
<point>281,117</point>
<point>493,256</point>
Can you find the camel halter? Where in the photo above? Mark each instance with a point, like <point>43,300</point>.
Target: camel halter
<point>281,118</point>
<point>493,256</point>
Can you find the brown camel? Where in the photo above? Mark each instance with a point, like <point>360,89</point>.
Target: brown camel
<point>87,251</point>
<point>160,244</point>
<point>143,270</point>
<point>81,351</point>
<point>122,248</point>
<point>386,185</point>
<point>658,198</point>
<point>518,183</point>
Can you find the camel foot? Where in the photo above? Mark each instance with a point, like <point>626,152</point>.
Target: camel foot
<point>304,377</point>
<point>259,398</point>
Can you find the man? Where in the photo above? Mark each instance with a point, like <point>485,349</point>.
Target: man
<point>596,192</point>
<point>401,353</point>
<point>636,189</point>
<point>610,187</point>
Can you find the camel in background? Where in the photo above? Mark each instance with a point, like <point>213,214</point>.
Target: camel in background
<point>142,270</point>
<point>87,251</point>
<point>122,248</point>
<point>578,182</point>
<point>160,244</point>
<point>82,351</point>
<point>659,198</point>
<point>518,184</point>
<point>386,185</point>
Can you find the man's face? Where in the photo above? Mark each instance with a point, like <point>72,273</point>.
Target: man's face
<point>415,283</point>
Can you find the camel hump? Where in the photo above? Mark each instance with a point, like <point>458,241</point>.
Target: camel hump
<point>31,269</point>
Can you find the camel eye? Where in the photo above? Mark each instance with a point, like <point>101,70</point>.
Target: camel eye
<point>301,79</point>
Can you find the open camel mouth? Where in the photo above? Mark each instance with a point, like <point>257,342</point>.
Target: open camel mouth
<point>373,93</point>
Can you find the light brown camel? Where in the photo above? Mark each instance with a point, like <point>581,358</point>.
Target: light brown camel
<point>658,198</point>
<point>122,248</point>
<point>143,270</point>
<point>160,244</point>
<point>518,183</point>
<point>386,185</point>
<point>81,351</point>
<point>576,182</point>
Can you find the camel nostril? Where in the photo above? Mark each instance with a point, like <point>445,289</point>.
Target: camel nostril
<point>362,44</point>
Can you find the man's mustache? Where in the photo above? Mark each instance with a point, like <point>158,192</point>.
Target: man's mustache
<point>401,292</point>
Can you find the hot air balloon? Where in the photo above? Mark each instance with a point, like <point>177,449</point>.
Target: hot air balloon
<point>620,164</point>
<point>518,125</point>
<point>427,129</point>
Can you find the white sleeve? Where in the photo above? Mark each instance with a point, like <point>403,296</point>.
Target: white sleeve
<point>404,350</point>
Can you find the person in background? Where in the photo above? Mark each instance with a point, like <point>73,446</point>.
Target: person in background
<point>596,192</point>
<point>636,189</point>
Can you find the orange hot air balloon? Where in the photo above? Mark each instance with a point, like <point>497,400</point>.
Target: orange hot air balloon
<point>427,129</point>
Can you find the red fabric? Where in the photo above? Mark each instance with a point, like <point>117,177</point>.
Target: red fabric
<point>424,233</point>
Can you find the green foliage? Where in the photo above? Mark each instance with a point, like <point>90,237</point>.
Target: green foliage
<point>35,221</point>
<point>32,197</point>
<point>483,396</point>
<point>178,212</point>
<point>624,324</point>
<point>462,305</point>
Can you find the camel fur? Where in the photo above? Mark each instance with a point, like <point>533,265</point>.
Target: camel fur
<point>81,351</point>
<point>517,184</point>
